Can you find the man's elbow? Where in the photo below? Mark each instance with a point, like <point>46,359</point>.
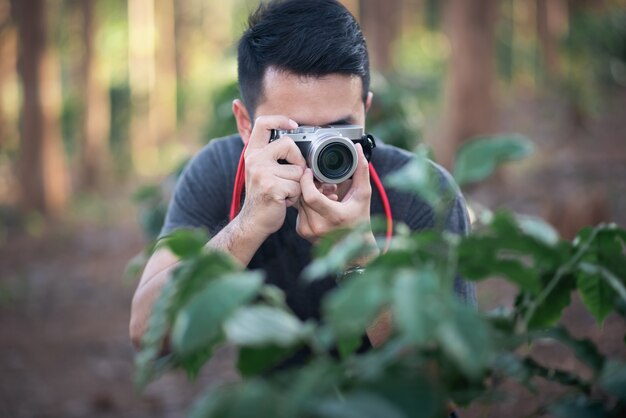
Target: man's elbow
<point>135,332</point>
<point>137,325</point>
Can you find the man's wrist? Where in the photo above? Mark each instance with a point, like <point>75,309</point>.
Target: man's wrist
<point>343,276</point>
<point>372,251</point>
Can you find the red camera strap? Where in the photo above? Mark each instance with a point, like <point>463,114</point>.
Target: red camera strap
<point>240,181</point>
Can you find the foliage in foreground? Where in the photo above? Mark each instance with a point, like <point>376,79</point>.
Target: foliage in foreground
<point>441,350</point>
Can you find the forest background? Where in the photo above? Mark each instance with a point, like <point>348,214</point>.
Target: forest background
<point>100,98</point>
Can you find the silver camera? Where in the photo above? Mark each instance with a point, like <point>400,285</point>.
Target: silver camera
<point>329,150</point>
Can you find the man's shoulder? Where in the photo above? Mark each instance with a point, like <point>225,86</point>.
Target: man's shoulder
<point>224,147</point>
<point>388,158</point>
<point>219,155</point>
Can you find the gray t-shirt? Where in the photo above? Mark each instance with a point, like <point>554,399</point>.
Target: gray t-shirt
<point>203,196</point>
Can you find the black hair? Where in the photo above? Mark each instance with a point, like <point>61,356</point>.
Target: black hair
<point>304,37</point>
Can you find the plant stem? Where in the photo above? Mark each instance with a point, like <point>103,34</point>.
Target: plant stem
<point>564,269</point>
<point>609,277</point>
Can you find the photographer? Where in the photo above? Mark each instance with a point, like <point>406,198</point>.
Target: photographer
<point>300,63</point>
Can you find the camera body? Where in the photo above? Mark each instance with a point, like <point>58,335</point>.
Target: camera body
<point>330,150</point>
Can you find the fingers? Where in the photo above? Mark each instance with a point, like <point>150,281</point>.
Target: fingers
<point>303,223</point>
<point>288,171</point>
<point>313,198</point>
<point>291,192</point>
<point>361,177</point>
<point>285,149</point>
<point>328,190</point>
<point>260,135</point>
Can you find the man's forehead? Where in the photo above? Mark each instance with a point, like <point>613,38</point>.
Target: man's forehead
<point>276,74</point>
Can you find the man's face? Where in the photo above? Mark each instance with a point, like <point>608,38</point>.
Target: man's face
<point>329,100</point>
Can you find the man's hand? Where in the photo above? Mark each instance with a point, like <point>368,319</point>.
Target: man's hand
<point>321,211</point>
<point>271,187</point>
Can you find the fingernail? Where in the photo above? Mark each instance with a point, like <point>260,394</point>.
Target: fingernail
<point>293,123</point>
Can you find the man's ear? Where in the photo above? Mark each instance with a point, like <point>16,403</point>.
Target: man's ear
<point>368,101</point>
<point>244,125</point>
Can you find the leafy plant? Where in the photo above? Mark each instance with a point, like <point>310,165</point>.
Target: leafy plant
<point>440,351</point>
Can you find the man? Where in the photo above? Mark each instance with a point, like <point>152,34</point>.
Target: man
<point>301,62</point>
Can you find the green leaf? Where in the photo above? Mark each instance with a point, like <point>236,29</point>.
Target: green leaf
<point>146,360</point>
<point>258,326</point>
<point>409,390</point>
<point>303,386</point>
<point>584,350</point>
<point>510,365</point>
<point>186,243</point>
<point>350,247</point>
<point>613,378</point>
<point>465,339</point>
<point>579,407</point>
<point>192,363</point>
<point>477,265</point>
<point>274,296</point>
<point>538,229</point>
<point>327,243</point>
<point>193,274</point>
<point>347,346</point>
<point>257,360</point>
<point>562,377</point>
<point>353,306</point>
<point>479,157</point>
<point>426,313</point>
<point>602,270</point>
<point>503,249</point>
<point>199,323</point>
<point>136,265</point>
<point>250,399</point>
<point>359,404</point>
<point>596,294</point>
<point>418,176</point>
<point>417,306</point>
<point>147,192</point>
<point>550,310</point>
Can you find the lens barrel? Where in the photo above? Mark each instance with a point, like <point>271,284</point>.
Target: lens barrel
<point>332,158</point>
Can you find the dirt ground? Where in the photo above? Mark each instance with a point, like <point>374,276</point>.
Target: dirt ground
<point>64,307</point>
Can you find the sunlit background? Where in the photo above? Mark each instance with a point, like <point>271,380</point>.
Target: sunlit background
<point>103,101</point>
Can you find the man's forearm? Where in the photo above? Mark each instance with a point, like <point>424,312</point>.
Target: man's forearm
<point>380,330</point>
<point>235,238</point>
<point>239,239</point>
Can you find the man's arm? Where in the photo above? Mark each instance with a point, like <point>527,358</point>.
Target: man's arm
<point>270,188</point>
<point>236,238</point>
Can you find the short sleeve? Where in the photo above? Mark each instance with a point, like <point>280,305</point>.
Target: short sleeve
<point>199,198</point>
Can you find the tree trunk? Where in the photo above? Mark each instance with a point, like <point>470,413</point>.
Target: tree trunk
<point>42,170</point>
<point>142,77</point>
<point>381,22</point>
<point>163,114</point>
<point>469,107</point>
<point>152,80</point>
<point>5,65</point>
<point>551,22</point>
<point>94,150</point>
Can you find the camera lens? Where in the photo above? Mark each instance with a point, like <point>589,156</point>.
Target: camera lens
<point>335,161</point>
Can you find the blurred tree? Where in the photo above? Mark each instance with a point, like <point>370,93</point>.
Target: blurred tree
<point>5,64</point>
<point>551,21</point>
<point>469,103</point>
<point>164,99</point>
<point>152,79</point>
<point>94,149</point>
<point>381,21</point>
<point>42,170</point>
